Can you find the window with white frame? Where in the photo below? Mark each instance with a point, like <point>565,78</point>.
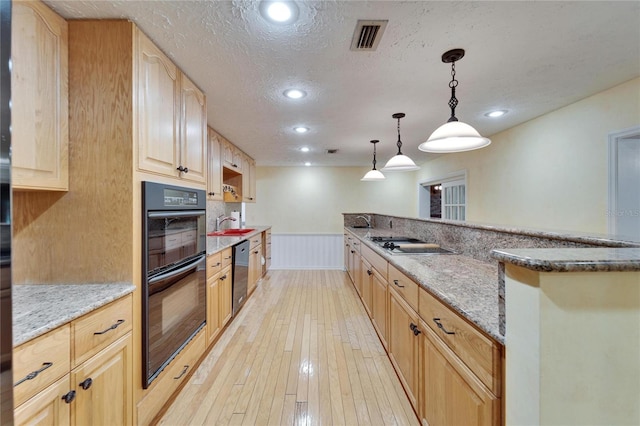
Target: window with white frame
<point>445,197</point>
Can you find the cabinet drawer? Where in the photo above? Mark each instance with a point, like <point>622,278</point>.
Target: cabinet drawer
<point>45,359</point>
<point>255,241</point>
<point>477,351</point>
<point>100,328</point>
<point>226,257</point>
<point>375,260</point>
<point>405,286</point>
<point>170,379</point>
<point>214,264</point>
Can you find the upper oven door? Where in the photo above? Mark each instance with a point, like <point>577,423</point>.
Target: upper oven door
<point>173,237</point>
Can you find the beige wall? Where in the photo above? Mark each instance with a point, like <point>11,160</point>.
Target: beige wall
<point>550,172</point>
<point>311,200</point>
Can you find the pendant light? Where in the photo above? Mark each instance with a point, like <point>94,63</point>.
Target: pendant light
<point>373,174</point>
<point>454,135</point>
<point>399,162</point>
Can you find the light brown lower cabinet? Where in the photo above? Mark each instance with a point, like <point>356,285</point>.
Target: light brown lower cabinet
<point>404,344</point>
<point>367,284</point>
<point>379,305</point>
<point>93,386</point>
<point>218,303</point>
<point>450,393</point>
<point>225,295</point>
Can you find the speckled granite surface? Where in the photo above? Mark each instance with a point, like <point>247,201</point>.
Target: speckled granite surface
<point>215,244</point>
<point>467,285</point>
<point>572,260</point>
<point>41,308</point>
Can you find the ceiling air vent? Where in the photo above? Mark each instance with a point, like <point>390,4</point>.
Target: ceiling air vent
<point>367,35</point>
<point>332,151</point>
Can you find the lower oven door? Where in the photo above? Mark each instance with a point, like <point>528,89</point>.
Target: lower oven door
<point>175,310</point>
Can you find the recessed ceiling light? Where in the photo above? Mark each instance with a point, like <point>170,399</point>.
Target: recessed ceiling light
<point>307,164</point>
<point>496,113</point>
<point>301,129</point>
<point>279,12</point>
<point>304,149</point>
<point>295,93</point>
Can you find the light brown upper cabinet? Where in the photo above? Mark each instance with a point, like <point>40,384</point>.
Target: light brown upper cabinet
<point>232,156</point>
<point>172,117</point>
<point>40,98</point>
<point>248,179</point>
<point>214,174</point>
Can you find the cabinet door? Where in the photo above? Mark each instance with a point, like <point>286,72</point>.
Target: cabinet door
<point>379,306</point>
<point>158,110</point>
<point>40,101</point>
<point>213,308</point>
<point>47,407</point>
<point>104,387</point>
<point>228,152</point>
<point>214,174</point>
<point>246,196</point>
<point>451,394</point>
<point>252,180</point>
<point>403,344</point>
<point>367,285</point>
<point>225,296</point>
<point>193,132</point>
<point>255,269</point>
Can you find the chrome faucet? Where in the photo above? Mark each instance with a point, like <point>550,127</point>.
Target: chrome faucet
<point>221,219</point>
<point>367,219</point>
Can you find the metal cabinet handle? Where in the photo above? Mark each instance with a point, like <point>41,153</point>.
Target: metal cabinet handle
<point>86,384</point>
<point>369,272</point>
<point>396,283</point>
<point>415,329</point>
<point>217,264</point>
<point>184,371</point>
<point>352,251</point>
<point>183,169</point>
<point>34,374</point>
<point>69,397</point>
<point>113,327</point>
<point>222,278</point>
<point>212,193</point>
<point>441,327</point>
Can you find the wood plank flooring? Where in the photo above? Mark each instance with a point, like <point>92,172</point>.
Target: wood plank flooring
<point>302,351</point>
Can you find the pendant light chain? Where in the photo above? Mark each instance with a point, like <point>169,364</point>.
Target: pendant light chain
<point>453,102</point>
<point>374,155</point>
<point>399,141</point>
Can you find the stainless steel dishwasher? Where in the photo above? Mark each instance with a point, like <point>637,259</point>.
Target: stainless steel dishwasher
<point>240,274</point>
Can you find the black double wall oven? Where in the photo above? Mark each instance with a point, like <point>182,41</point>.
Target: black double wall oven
<point>173,272</point>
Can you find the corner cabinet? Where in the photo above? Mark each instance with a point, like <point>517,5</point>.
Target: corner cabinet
<point>40,98</point>
<point>171,113</point>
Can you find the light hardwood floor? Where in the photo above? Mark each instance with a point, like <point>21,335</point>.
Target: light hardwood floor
<point>302,351</point>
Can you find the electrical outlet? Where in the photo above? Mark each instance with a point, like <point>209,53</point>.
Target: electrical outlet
<point>390,224</point>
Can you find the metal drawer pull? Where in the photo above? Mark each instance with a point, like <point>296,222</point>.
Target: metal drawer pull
<point>113,327</point>
<point>369,272</point>
<point>396,283</point>
<point>69,397</point>
<point>441,327</point>
<point>184,371</point>
<point>222,278</point>
<point>86,384</point>
<point>415,329</point>
<point>34,374</point>
<point>217,264</point>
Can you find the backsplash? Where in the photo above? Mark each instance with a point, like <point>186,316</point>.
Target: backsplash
<point>217,208</point>
<point>475,240</point>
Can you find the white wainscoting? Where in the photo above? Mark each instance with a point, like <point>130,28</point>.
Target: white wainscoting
<point>307,251</point>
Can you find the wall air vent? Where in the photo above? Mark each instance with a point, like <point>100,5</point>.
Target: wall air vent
<point>367,35</point>
<point>332,151</point>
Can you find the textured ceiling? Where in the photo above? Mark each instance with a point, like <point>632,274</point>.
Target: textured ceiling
<point>527,57</point>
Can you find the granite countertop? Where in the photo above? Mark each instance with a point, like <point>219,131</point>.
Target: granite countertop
<point>467,285</point>
<point>40,308</point>
<point>572,259</point>
<point>215,243</point>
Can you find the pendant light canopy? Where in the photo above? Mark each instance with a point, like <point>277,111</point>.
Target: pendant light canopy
<point>453,136</point>
<point>399,162</point>
<point>373,174</point>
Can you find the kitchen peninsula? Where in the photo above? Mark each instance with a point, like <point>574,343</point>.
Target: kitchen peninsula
<point>590,281</point>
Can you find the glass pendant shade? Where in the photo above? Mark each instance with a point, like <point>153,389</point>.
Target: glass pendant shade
<point>400,163</point>
<point>454,136</point>
<point>373,175</point>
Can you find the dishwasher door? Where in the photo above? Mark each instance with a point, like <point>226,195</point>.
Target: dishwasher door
<point>240,274</point>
